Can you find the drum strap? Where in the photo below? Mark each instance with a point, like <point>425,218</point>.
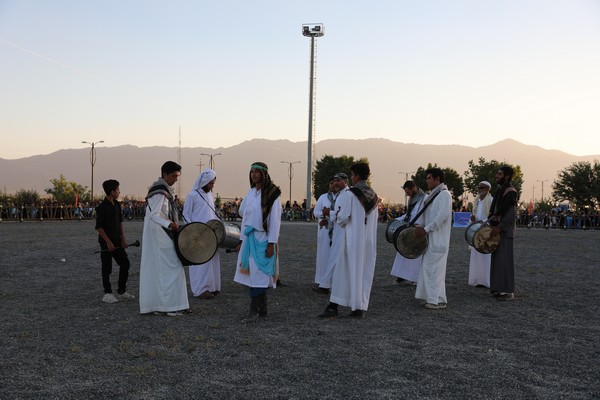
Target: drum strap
<point>427,203</point>
<point>209,206</point>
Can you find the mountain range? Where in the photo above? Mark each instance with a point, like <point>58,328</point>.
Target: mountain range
<point>137,167</point>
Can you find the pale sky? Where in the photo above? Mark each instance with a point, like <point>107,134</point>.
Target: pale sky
<point>430,72</point>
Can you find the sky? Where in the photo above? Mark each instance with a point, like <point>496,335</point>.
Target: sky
<point>222,72</point>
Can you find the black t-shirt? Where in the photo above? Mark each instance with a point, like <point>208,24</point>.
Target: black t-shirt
<point>109,218</point>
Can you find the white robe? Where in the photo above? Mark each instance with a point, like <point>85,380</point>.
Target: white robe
<point>162,278</point>
<point>406,268</point>
<point>251,212</point>
<point>199,207</point>
<point>337,239</point>
<point>355,266</point>
<point>479,264</point>
<point>431,285</point>
<point>323,239</point>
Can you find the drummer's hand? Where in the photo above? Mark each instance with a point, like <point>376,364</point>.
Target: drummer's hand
<point>420,232</point>
<point>111,247</point>
<point>174,226</point>
<point>124,243</point>
<point>472,218</point>
<point>325,211</point>
<point>323,223</point>
<point>270,250</point>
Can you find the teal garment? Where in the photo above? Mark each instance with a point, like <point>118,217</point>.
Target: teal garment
<point>258,250</point>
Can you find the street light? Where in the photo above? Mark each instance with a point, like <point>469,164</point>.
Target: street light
<point>312,31</point>
<point>93,161</point>
<point>542,187</point>
<point>291,175</point>
<point>211,156</point>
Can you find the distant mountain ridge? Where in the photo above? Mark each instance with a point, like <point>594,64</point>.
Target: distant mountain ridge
<point>137,167</point>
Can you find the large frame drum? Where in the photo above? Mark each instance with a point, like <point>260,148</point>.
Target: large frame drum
<point>407,244</point>
<point>479,236</point>
<point>228,235</point>
<point>195,243</point>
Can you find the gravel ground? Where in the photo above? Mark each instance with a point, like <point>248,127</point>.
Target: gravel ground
<point>59,341</point>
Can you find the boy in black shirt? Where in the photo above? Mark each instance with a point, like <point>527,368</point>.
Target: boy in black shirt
<point>109,224</point>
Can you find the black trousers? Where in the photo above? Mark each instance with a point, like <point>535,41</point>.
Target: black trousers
<point>122,261</point>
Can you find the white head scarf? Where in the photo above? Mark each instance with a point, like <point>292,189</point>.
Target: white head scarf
<point>205,177</point>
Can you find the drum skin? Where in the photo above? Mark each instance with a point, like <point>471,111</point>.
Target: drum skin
<point>479,236</point>
<point>407,243</point>
<point>195,243</point>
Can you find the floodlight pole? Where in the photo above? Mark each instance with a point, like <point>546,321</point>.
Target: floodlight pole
<point>92,161</point>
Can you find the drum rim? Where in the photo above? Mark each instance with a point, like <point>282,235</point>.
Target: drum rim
<point>398,233</point>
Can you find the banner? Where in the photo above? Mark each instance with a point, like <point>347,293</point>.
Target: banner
<point>461,219</point>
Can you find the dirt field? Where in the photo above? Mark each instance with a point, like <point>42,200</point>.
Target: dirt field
<point>59,341</point>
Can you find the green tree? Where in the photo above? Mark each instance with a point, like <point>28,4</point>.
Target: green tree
<point>486,171</point>
<point>25,197</point>
<point>451,178</point>
<point>327,167</point>
<point>579,183</point>
<point>65,192</point>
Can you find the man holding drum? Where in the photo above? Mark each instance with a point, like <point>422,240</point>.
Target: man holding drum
<point>502,218</point>
<point>431,285</point>
<point>199,206</point>
<point>404,269</point>
<point>479,264</point>
<point>162,278</point>
<point>257,265</point>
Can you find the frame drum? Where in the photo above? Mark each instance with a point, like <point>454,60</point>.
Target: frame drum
<point>408,245</point>
<point>479,236</point>
<point>228,235</point>
<point>195,243</point>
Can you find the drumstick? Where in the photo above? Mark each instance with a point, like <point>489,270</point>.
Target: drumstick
<point>133,244</point>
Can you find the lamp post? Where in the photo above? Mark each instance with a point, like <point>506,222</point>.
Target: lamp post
<point>291,174</point>
<point>542,187</point>
<point>211,156</point>
<point>312,31</point>
<point>93,161</point>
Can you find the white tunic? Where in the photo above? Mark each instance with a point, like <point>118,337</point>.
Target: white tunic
<point>479,264</point>
<point>323,239</point>
<point>162,278</point>
<point>406,268</point>
<point>431,285</point>
<point>355,265</point>
<point>251,212</point>
<point>199,206</point>
<point>336,244</point>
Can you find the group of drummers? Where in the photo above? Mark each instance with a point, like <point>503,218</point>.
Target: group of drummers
<point>346,241</point>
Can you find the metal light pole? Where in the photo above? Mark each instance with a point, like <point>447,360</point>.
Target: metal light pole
<point>291,174</point>
<point>313,31</point>
<point>542,187</point>
<point>93,161</point>
<point>211,156</point>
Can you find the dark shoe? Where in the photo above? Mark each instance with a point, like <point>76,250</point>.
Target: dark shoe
<point>280,284</point>
<point>206,295</point>
<point>400,280</point>
<point>439,306</point>
<point>329,312</point>
<point>321,290</point>
<point>495,294</point>
<point>357,314</point>
<point>216,292</point>
<point>254,312</point>
<point>506,296</point>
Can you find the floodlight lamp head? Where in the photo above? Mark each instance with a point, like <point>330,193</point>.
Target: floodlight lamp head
<point>313,30</point>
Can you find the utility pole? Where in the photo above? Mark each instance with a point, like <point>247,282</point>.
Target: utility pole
<point>291,174</point>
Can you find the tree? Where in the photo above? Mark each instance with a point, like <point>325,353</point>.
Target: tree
<point>65,192</point>
<point>579,183</point>
<point>25,197</point>
<point>327,167</point>
<point>486,171</point>
<point>451,178</point>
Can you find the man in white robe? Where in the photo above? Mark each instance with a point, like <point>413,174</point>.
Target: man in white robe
<point>257,265</point>
<point>356,215</point>
<point>322,213</point>
<point>199,206</point>
<point>162,279</point>
<point>479,264</point>
<point>340,181</point>
<point>431,285</point>
<point>406,270</point>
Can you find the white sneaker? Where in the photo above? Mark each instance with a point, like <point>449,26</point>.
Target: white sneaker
<point>126,296</point>
<point>109,298</point>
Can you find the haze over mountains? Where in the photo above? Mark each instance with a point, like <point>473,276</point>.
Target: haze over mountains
<point>137,167</point>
